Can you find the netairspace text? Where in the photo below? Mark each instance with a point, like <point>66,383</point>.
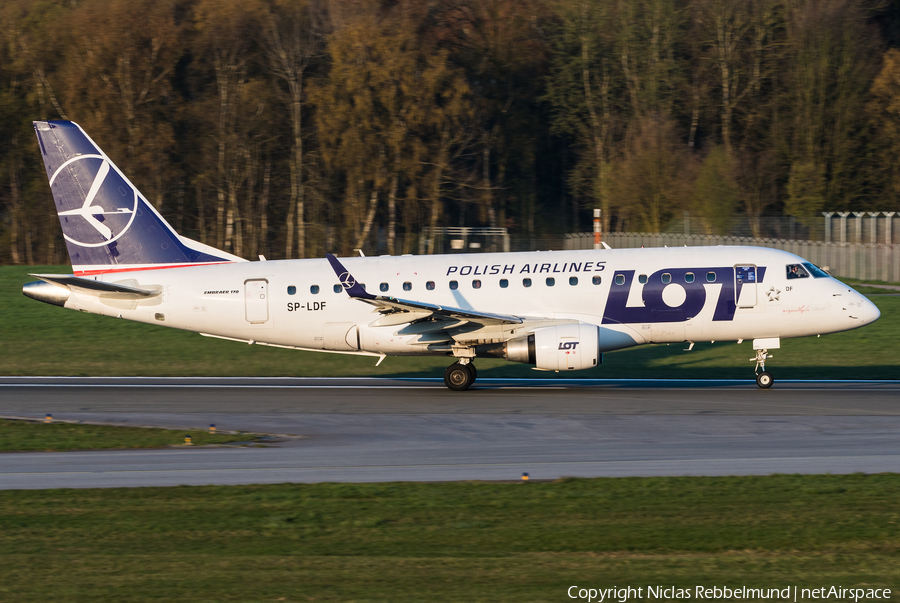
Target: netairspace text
<point>790,593</point>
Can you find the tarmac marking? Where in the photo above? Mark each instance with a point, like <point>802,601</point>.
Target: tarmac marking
<point>463,465</point>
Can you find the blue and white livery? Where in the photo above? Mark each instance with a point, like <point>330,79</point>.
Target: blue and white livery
<point>108,225</point>
<point>556,310</point>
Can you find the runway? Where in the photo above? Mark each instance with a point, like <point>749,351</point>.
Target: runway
<point>360,430</point>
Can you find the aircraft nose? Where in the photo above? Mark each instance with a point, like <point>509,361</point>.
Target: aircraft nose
<point>870,312</point>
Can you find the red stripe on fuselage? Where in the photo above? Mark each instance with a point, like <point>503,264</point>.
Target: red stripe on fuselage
<point>142,268</point>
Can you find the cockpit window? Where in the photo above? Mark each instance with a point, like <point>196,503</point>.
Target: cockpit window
<point>815,270</point>
<point>796,271</point>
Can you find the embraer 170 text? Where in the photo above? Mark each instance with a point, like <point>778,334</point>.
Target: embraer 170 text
<point>556,310</point>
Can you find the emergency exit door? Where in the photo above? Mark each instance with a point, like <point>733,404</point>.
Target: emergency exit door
<point>745,286</point>
<point>256,301</point>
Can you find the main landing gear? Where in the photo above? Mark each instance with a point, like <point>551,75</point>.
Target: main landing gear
<point>764,379</point>
<point>460,375</point>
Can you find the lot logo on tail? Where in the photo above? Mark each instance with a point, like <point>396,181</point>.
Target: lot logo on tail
<point>98,218</point>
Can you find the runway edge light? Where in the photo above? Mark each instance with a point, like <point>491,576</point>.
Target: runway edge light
<point>524,477</point>
<point>212,428</point>
<point>187,440</point>
<point>48,418</point>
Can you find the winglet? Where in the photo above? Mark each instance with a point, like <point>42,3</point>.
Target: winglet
<point>353,288</point>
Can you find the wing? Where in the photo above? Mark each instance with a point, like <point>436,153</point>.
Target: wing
<point>418,310</point>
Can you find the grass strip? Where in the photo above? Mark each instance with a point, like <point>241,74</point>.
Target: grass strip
<point>449,541</point>
<point>23,436</point>
<point>45,340</point>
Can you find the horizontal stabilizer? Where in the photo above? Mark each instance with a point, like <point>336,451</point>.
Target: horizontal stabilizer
<point>68,280</point>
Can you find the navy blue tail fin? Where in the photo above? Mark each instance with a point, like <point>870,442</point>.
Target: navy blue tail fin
<point>108,225</point>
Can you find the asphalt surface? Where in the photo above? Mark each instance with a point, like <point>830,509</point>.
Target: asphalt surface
<point>357,430</point>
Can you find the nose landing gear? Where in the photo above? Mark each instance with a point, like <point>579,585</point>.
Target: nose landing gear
<point>460,375</point>
<point>764,379</point>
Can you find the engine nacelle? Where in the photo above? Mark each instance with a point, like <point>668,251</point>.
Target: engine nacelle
<point>570,347</point>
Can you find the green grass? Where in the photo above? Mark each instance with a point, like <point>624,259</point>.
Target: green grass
<point>39,339</point>
<point>29,436</point>
<point>447,542</point>
<point>860,285</point>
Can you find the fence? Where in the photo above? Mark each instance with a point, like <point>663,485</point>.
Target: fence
<point>463,239</point>
<point>864,261</point>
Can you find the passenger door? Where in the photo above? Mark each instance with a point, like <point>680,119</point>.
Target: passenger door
<point>256,302</point>
<point>745,286</point>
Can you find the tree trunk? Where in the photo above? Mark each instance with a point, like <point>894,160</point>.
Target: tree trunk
<point>262,245</point>
<point>14,214</point>
<point>298,159</point>
<point>631,79</point>
<point>599,130</point>
<point>436,190</point>
<point>201,221</point>
<point>392,214</point>
<point>370,217</point>
<point>229,220</point>
<point>289,235</point>
<point>695,112</point>
<point>724,39</point>
<point>222,81</point>
<point>486,142</point>
<point>179,216</point>
<point>249,229</point>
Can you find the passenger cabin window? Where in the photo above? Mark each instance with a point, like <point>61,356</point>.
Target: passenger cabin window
<point>796,271</point>
<point>292,290</point>
<point>454,285</point>
<point>476,284</point>
<point>314,289</point>
<point>337,288</point>
<point>642,279</point>
<point>710,277</point>
<point>383,287</point>
<point>526,282</point>
<point>407,286</point>
<point>620,279</point>
<point>430,285</point>
<point>689,277</point>
<point>551,281</point>
<point>667,278</point>
<point>504,283</point>
<point>573,280</point>
<point>596,280</point>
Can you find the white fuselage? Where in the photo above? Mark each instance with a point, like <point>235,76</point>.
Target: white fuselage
<point>299,303</point>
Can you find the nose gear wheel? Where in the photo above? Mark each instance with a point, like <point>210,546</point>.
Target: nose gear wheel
<point>764,379</point>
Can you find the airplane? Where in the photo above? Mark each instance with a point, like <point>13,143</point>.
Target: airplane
<point>555,310</point>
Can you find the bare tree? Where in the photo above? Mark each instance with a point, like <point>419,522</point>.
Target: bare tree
<point>292,38</point>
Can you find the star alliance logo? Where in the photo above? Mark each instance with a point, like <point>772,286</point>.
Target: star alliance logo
<point>773,294</point>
